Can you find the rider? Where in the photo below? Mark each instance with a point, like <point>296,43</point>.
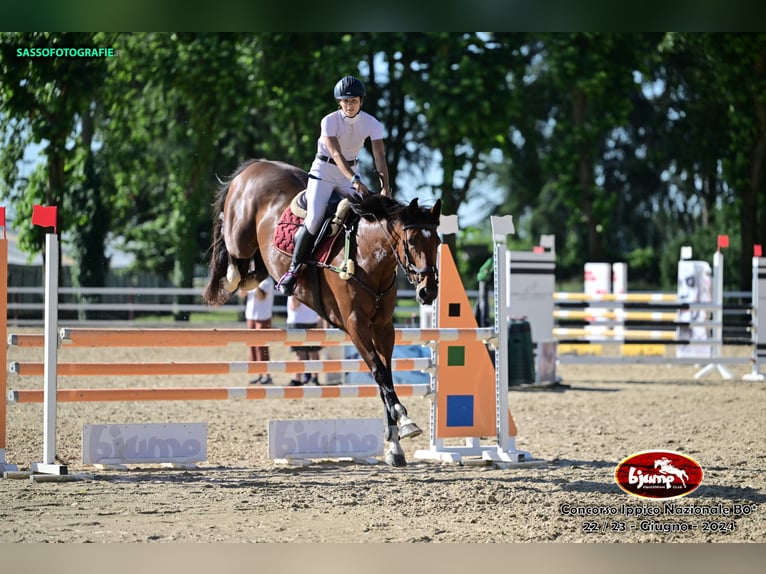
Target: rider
<point>343,133</point>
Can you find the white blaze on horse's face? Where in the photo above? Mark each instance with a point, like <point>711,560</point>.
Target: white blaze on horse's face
<point>428,284</point>
<point>380,255</point>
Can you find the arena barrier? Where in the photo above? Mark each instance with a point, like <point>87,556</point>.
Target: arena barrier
<point>759,318</point>
<point>466,411</point>
<point>607,325</point>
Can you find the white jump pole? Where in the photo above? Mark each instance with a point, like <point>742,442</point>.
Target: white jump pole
<point>758,319</point>
<point>505,449</point>
<point>717,317</point>
<point>502,227</point>
<point>49,465</point>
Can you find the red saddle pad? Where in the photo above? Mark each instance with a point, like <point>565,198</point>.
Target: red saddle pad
<point>284,236</point>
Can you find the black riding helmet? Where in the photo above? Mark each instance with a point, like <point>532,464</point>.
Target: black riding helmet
<point>349,87</point>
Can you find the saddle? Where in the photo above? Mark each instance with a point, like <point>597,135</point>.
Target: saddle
<point>336,215</point>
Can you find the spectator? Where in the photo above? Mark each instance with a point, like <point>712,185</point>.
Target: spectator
<point>258,312</point>
<point>299,316</point>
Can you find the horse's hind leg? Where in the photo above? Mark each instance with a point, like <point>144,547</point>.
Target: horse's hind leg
<point>237,272</point>
<point>254,276</point>
<point>233,276</point>
<point>217,292</point>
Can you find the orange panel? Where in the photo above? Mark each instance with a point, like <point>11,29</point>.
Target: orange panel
<point>465,386</point>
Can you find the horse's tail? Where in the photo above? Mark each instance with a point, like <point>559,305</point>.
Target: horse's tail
<point>219,255</point>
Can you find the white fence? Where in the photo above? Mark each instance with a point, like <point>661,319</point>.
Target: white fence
<point>126,304</point>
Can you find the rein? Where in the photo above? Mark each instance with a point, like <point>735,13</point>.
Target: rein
<point>413,274</point>
<point>346,270</point>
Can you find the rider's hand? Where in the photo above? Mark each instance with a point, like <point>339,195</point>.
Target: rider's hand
<point>361,189</point>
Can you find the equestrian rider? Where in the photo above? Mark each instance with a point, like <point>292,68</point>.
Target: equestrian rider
<point>343,133</point>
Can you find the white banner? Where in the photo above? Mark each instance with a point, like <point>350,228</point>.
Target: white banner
<point>340,438</point>
<point>178,443</point>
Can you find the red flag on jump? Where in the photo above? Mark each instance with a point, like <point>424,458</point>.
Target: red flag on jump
<point>757,251</point>
<point>2,219</point>
<point>723,241</point>
<point>44,216</point>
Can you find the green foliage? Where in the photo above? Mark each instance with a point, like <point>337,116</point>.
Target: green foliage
<point>622,145</point>
<point>643,263</point>
<point>704,243</point>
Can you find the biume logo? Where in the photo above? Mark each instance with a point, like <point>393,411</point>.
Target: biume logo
<point>139,443</point>
<point>658,474</point>
<point>323,438</point>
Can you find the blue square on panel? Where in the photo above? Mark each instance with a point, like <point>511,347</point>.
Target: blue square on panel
<point>459,410</point>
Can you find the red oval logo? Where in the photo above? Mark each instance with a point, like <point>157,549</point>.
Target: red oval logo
<point>658,474</point>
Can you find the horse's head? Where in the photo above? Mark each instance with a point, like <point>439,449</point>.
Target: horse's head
<point>419,244</point>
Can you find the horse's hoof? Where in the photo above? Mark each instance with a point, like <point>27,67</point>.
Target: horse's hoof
<point>227,287</point>
<point>232,279</point>
<point>396,460</point>
<point>410,430</point>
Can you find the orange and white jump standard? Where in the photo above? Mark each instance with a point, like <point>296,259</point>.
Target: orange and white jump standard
<point>50,375</point>
<point>4,466</point>
<point>472,394</point>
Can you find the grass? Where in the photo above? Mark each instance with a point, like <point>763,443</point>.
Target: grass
<point>195,318</point>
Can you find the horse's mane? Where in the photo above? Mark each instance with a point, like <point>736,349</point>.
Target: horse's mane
<point>376,207</point>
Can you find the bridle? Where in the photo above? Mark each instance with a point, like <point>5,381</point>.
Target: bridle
<point>415,275</point>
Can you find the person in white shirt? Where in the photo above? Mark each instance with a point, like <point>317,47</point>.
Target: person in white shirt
<point>335,166</point>
<point>259,307</point>
<point>299,316</point>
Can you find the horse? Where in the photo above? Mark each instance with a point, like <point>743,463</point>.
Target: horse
<point>358,298</point>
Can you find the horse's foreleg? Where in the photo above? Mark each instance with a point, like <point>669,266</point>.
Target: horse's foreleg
<point>395,410</point>
<point>400,426</point>
<point>398,423</point>
<point>407,427</point>
<point>395,453</point>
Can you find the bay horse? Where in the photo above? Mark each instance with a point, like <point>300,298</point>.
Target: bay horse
<point>388,235</point>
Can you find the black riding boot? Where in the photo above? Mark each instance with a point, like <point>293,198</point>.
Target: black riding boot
<point>304,242</point>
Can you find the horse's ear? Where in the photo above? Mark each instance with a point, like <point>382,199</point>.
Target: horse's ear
<point>436,210</point>
<point>412,208</point>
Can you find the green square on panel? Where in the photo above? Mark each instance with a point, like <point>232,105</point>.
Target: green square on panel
<point>456,356</point>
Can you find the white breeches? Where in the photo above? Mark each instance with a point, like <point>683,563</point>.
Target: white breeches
<point>318,192</point>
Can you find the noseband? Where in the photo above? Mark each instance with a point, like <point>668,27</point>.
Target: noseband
<point>415,275</point>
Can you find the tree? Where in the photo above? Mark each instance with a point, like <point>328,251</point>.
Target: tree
<point>719,88</point>
<point>51,101</point>
<point>462,97</point>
